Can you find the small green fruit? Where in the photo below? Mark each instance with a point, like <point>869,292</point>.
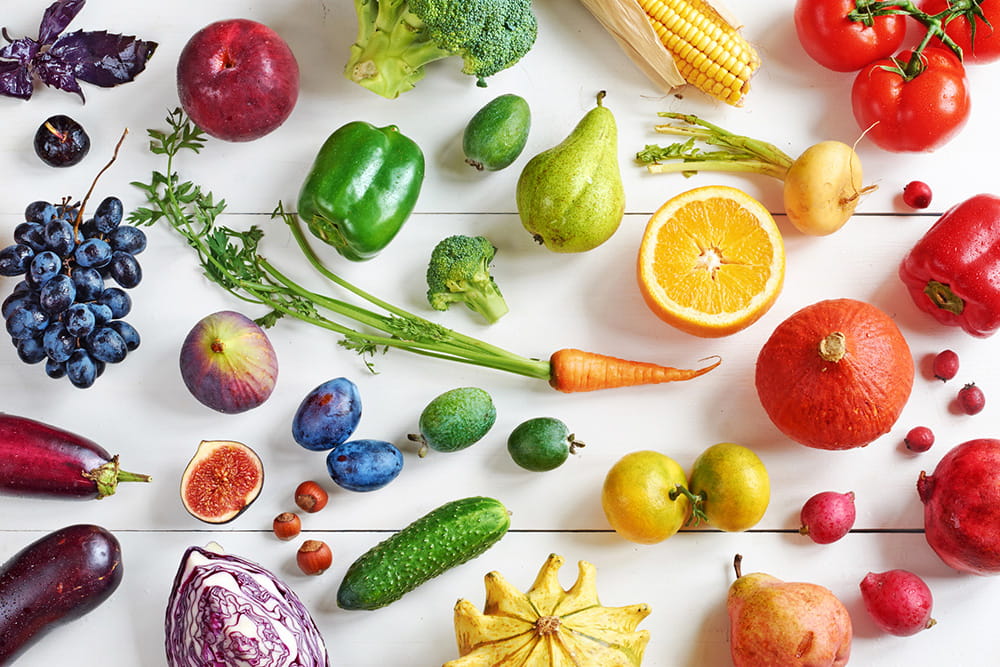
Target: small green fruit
<point>496,135</point>
<point>455,420</point>
<point>541,444</point>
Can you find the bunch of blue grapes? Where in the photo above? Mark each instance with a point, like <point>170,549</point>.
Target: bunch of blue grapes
<point>64,311</point>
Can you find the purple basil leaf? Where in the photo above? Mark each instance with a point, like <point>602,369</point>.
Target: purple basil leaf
<point>55,72</point>
<point>56,18</point>
<point>102,58</point>
<point>15,80</point>
<point>21,50</point>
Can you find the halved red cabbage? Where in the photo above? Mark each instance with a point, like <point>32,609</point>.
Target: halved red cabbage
<point>226,611</point>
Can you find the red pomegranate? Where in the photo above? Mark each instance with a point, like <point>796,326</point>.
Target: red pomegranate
<point>962,507</point>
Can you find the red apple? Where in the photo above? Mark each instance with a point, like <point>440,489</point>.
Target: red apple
<point>237,79</point>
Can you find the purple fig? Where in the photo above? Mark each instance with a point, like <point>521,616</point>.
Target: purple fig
<point>228,363</point>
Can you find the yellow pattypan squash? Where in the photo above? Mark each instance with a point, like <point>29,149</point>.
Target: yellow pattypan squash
<point>548,626</point>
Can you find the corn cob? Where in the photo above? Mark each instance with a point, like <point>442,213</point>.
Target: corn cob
<point>710,54</point>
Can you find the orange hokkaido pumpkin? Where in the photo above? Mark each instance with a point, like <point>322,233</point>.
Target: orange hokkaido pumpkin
<point>835,375</point>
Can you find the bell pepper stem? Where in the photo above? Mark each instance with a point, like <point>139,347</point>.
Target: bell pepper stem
<point>942,297</point>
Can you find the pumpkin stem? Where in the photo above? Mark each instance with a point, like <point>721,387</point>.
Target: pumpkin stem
<point>547,625</point>
<point>833,347</point>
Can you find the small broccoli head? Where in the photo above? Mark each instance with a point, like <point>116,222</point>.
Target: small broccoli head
<point>490,35</point>
<point>458,271</point>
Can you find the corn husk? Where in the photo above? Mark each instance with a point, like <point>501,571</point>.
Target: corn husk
<point>629,25</point>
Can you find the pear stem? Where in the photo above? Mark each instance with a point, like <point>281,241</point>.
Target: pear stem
<point>737,563</point>
<point>600,97</point>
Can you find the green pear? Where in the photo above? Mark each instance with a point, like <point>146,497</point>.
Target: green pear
<point>571,197</point>
<point>775,622</point>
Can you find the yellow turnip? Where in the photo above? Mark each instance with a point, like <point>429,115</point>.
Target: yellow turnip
<point>822,187</point>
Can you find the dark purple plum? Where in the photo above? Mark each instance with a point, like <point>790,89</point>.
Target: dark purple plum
<point>364,465</point>
<point>328,415</point>
<point>61,141</point>
<point>228,363</point>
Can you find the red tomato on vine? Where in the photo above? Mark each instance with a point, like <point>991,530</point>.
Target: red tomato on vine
<point>985,47</point>
<point>915,114</point>
<point>840,44</point>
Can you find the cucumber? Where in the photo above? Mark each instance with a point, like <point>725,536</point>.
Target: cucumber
<point>496,135</point>
<point>450,535</point>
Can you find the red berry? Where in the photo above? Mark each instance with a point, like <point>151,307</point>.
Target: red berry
<point>919,439</point>
<point>917,194</point>
<point>971,399</point>
<point>945,365</point>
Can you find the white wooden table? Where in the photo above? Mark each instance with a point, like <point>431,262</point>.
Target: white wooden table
<point>142,410</point>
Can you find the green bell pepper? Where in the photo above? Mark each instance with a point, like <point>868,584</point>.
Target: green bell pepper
<point>361,188</point>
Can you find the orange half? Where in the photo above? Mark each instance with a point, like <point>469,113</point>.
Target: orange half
<point>712,261</point>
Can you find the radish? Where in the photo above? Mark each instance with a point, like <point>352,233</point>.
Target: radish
<point>898,601</point>
<point>822,187</point>
<point>828,516</point>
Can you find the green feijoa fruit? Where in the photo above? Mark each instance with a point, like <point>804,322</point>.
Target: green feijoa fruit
<point>455,420</point>
<point>496,135</point>
<point>542,443</point>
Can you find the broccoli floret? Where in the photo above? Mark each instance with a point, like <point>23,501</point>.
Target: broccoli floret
<point>396,38</point>
<point>459,271</point>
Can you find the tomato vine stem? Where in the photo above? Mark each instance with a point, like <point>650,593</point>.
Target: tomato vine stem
<point>866,11</point>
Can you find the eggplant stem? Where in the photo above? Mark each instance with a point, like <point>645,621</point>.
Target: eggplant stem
<point>106,477</point>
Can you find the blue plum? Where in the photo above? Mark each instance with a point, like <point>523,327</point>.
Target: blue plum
<point>364,465</point>
<point>328,415</point>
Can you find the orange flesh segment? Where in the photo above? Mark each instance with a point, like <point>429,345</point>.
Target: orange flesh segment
<point>712,261</point>
<point>716,255</point>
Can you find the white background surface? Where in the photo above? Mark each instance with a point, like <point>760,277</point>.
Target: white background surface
<point>142,411</point>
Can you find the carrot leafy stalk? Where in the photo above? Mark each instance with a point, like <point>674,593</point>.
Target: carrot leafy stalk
<point>230,258</point>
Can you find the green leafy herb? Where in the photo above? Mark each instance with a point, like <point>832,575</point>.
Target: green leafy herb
<point>230,258</point>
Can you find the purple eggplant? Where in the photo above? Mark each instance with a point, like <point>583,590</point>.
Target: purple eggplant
<point>56,579</point>
<point>38,459</point>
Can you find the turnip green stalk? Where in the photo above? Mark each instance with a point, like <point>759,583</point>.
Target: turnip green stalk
<point>738,153</point>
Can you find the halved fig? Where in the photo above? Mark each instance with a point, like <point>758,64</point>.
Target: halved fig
<point>222,479</point>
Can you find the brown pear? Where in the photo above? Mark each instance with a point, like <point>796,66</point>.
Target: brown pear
<point>774,622</point>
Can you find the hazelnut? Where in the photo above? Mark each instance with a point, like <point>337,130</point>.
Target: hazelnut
<point>310,496</point>
<point>287,525</point>
<point>314,557</point>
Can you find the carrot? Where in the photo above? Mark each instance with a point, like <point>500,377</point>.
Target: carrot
<point>573,370</point>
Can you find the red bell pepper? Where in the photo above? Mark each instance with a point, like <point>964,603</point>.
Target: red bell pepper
<point>953,272</point>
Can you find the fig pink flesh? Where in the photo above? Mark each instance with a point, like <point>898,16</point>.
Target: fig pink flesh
<point>228,363</point>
